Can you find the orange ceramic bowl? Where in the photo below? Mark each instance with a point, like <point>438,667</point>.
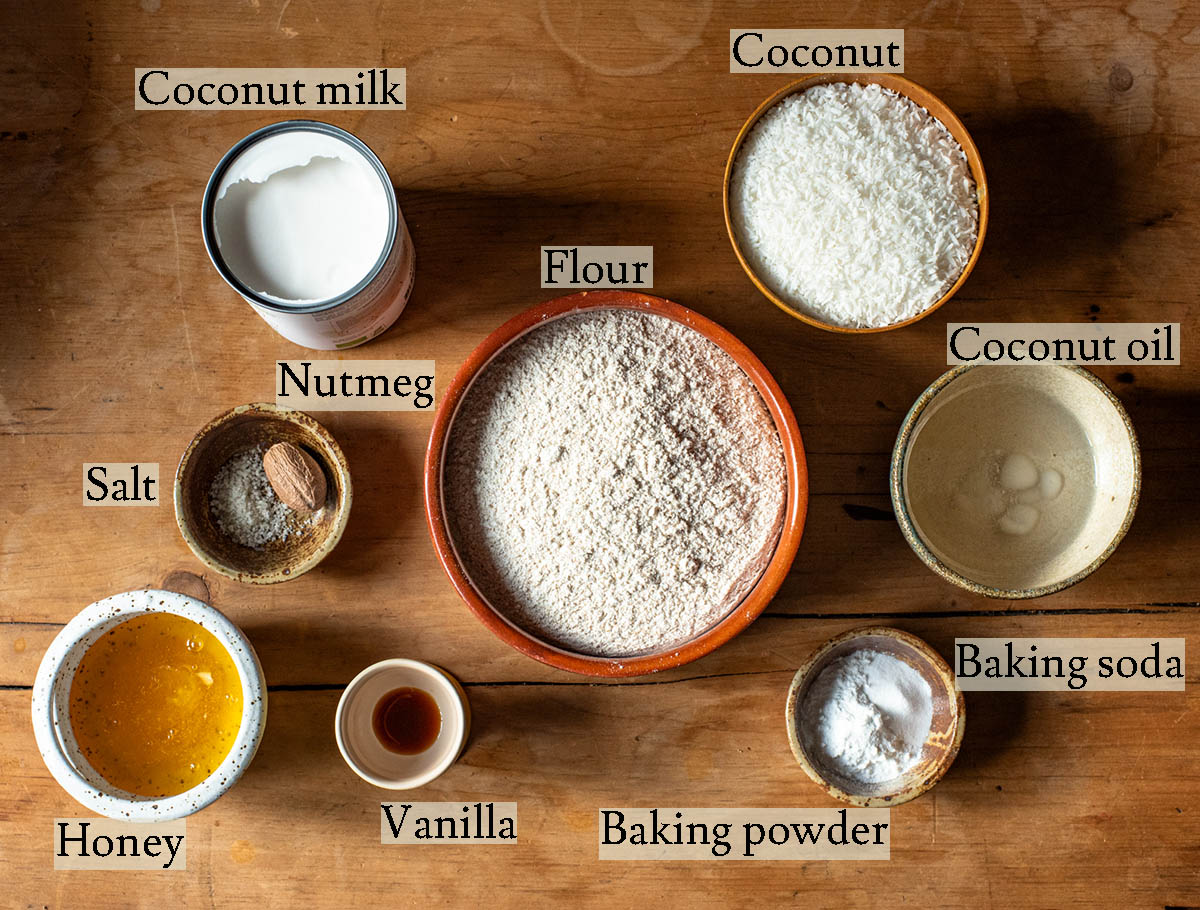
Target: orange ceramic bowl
<point>733,622</point>
<point>915,93</point>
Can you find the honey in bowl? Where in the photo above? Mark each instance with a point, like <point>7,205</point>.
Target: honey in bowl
<point>156,704</point>
<point>407,721</point>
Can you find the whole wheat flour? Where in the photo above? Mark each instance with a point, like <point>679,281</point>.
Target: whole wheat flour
<point>614,482</point>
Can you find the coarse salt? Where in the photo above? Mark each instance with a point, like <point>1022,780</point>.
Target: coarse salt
<point>854,204</point>
<point>244,506</point>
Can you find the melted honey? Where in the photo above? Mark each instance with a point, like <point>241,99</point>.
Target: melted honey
<point>156,704</point>
<point>407,721</point>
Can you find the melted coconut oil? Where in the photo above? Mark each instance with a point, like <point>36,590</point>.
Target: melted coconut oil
<point>1000,483</point>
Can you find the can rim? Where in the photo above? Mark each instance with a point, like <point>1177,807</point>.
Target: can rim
<point>208,219</point>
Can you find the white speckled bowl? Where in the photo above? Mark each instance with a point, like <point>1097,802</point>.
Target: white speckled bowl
<point>51,706</point>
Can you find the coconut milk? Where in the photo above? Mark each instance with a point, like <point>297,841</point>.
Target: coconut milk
<point>301,219</point>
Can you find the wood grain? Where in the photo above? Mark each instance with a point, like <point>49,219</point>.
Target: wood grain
<point>554,121</point>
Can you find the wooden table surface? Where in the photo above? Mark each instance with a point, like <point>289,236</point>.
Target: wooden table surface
<point>565,122</point>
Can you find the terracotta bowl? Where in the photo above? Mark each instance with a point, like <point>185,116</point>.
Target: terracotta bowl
<point>945,733</point>
<point>245,427</point>
<point>920,96</point>
<point>737,619</point>
<point>971,402</point>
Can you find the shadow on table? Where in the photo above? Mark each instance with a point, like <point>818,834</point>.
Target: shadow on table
<point>387,486</point>
<point>1168,513</point>
<point>1057,199</point>
<point>995,720</point>
<point>473,248</point>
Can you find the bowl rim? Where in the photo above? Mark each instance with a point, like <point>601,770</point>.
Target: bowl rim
<point>919,95</point>
<point>97,618</point>
<point>440,677</point>
<point>792,716</point>
<point>337,462</point>
<point>736,619</point>
<point>908,526</point>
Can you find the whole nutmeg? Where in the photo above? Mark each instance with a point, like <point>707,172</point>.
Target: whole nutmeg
<point>295,477</point>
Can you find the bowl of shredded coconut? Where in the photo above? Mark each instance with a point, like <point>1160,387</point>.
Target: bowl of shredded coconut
<point>614,484</point>
<point>874,717</point>
<point>230,515</point>
<point>855,203</point>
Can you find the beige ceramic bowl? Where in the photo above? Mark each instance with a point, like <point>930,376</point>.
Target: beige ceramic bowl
<point>965,423</point>
<point>248,426</point>
<point>945,732</point>
<point>354,726</point>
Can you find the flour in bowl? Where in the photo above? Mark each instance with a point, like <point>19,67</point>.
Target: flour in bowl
<point>614,483</point>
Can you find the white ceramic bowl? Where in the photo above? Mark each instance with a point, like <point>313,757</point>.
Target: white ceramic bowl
<point>51,707</point>
<point>355,731</point>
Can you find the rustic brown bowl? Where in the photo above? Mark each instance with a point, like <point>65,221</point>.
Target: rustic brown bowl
<point>945,733</point>
<point>247,426</point>
<point>738,618</point>
<point>915,93</point>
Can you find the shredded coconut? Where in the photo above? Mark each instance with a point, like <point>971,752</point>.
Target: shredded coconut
<point>614,482</point>
<point>244,506</point>
<point>867,716</point>
<point>854,204</point>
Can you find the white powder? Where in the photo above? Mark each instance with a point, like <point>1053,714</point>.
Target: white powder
<point>854,204</point>
<point>244,506</point>
<point>867,716</point>
<point>614,482</point>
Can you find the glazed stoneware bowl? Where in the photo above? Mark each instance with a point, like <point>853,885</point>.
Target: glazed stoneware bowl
<point>918,95</point>
<point>51,707</point>
<point>737,619</point>
<point>932,455</point>
<point>249,426</point>
<point>354,724</point>
<point>945,732</point>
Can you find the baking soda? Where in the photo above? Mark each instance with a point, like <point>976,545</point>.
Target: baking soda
<point>867,716</point>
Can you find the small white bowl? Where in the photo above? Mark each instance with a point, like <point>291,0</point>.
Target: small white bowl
<point>355,731</point>
<point>52,720</point>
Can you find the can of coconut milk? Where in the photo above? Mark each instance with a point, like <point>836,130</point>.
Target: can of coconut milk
<point>300,218</point>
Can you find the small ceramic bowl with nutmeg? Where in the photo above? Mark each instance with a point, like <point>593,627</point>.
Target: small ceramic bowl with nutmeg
<point>262,494</point>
